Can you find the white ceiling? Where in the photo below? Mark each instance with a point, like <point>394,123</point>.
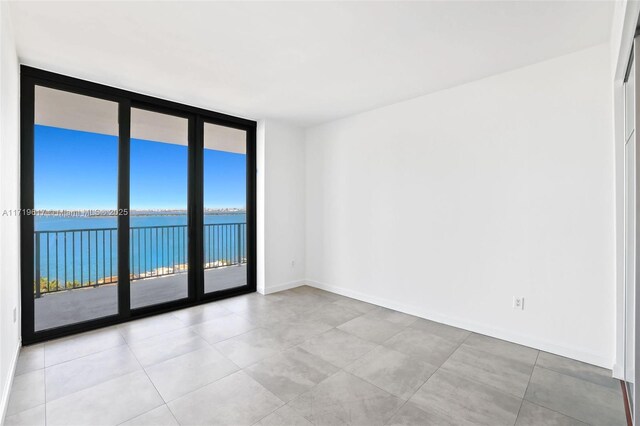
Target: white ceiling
<point>304,63</point>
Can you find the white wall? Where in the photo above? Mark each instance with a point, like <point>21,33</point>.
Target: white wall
<point>281,204</point>
<point>9,199</point>
<point>449,205</point>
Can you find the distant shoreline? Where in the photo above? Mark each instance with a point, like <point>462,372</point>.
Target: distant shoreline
<point>141,213</point>
<point>185,212</point>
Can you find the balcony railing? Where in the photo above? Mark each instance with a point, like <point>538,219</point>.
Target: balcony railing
<point>84,258</point>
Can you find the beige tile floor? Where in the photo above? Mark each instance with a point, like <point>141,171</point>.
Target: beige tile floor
<point>301,357</point>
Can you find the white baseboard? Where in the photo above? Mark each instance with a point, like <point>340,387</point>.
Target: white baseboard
<point>618,371</point>
<point>4,402</point>
<point>284,286</point>
<point>569,352</point>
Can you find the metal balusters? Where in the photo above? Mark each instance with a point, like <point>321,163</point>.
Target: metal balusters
<point>104,269</point>
<point>48,283</point>
<point>112,278</point>
<point>73,259</point>
<point>224,245</point>
<point>81,261</point>
<point>145,249</point>
<point>38,266</point>
<point>89,257</point>
<point>97,272</point>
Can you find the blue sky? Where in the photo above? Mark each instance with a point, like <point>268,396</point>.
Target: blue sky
<point>78,170</point>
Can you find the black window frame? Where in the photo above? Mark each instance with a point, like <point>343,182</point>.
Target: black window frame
<point>32,77</point>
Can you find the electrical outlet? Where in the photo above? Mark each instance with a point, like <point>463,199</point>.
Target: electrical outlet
<point>15,316</point>
<point>518,303</point>
<point>293,263</point>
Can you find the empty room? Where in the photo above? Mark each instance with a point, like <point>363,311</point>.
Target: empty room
<point>319,213</point>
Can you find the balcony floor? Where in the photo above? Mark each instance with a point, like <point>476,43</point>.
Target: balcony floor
<point>73,306</point>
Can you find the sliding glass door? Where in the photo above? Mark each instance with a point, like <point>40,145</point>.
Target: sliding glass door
<point>631,319</point>
<point>225,207</point>
<point>75,154</point>
<point>130,205</point>
<point>158,207</point>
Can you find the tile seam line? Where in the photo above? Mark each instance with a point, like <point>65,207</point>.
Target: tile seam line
<point>148,378</point>
<point>430,376</point>
<point>527,388</point>
<point>555,411</point>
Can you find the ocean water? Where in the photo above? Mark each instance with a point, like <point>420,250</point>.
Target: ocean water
<point>72,252</point>
<point>56,223</point>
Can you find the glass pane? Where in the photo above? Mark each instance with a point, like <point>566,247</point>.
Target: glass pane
<point>158,222</point>
<point>75,193</point>
<point>225,201</point>
<point>630,264</point>
<point>630,103</point>
<point>630,235</point>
